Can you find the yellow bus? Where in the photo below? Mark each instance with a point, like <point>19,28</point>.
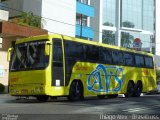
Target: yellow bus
<point>56,65</point>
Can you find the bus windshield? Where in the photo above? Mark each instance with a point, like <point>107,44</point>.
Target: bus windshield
<point>29,55</point>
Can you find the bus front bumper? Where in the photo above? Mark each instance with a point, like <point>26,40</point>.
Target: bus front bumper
<point>26,90</point>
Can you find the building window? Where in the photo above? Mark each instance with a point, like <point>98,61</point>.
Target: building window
<point>127,39</point>
<point>148,15</point>
<point>138,14</point>
<point>108,37</point>
<point>80,18</point>
<point>109,12</point>
<point>132,14</point>
<point>83,1</point>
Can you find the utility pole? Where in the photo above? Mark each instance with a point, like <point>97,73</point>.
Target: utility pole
<point>81,31</point>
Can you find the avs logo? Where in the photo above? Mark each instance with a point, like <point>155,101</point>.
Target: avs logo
<point>99,80</point>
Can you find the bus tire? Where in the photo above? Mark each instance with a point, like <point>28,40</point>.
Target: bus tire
<point>101,96</point>
<point>42,98</point>
<point>138,89</point>
<point>112,95</point>
<point>76,91</point>
<point>130,89</point>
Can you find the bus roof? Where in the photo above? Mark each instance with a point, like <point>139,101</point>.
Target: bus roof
<point>49,36</point>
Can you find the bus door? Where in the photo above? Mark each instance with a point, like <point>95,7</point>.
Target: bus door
<point>57,63</point>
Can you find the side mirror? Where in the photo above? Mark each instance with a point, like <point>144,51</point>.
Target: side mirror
<point>47,48</point>
<point>9,54</point>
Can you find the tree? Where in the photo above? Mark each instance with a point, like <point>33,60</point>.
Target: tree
<point>108,37</point>
<point>126,38</point>
<point>29,19</point>
<point>128,24</point>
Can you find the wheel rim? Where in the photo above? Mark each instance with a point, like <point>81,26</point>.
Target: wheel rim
<point>138,89</point>
<point>130,90</point>
<point>75,91</point>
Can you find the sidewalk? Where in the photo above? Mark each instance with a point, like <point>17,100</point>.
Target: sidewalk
<point>6,97</point>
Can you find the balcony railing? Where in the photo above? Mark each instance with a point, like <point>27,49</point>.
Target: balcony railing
<point>83,1</point>
<point>84,9</point>
<point>87,32</point>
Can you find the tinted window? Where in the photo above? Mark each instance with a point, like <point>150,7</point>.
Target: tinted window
<point>117,57</point>
<point>74,50</point>
<point>92,53</point>
<point>139,61</point>
<point>148,62</point>
<point>128,59</point>
<point>105,55</point>
<point>28,56</point>
<point>57,50</point>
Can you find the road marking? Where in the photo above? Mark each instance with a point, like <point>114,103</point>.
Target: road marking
<point>141,109</point>
<point>90,110</point>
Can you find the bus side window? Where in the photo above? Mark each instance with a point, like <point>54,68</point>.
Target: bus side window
<point>128,59</point>
<point>74,50</point>
<point>92,53</point>
<point>57,52</point>
<point>139,59</point>
<point>148,62</point>
<point>105,56</point>
<point>117,57</point>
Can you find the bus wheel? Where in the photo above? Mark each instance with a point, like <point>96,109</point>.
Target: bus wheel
<point>112,95</point>
<point>42,98</point>
<point>76,91</point>
<point>130,90</point>
<point>101,96</point>
<point>138,89</point>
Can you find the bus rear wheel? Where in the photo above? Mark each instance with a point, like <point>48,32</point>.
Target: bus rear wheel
<point>130,90</point>
<point>112,95</point>
<point>42,98</point>
<point>138,89</point>
<point>76,91</point>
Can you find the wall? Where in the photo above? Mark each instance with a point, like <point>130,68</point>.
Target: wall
<point>14,7</point>
<point>62,16</point>
<point>156,60</point>
<point>4,65</point>
<point>95,21</point>
<point>12,32</point>
<point>32,5</point>
<point>59,16</point>
<point>157,37</point>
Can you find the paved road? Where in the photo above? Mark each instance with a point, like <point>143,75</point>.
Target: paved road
<point>90,108</point>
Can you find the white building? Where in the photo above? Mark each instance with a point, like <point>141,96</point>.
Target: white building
<point>58,16</point>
